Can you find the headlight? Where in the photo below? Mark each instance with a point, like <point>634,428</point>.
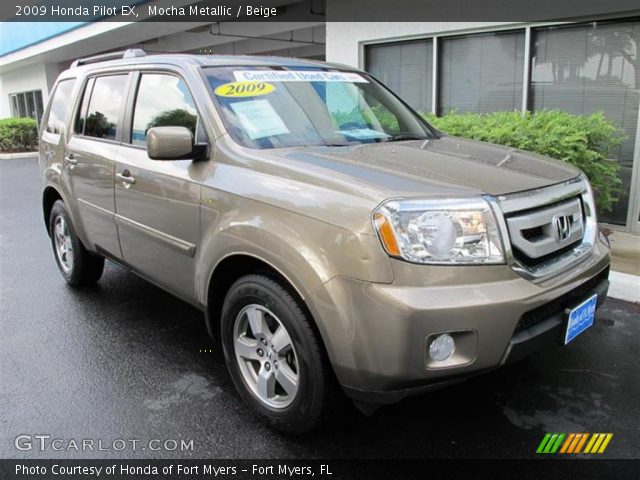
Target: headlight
<point>454,231</point>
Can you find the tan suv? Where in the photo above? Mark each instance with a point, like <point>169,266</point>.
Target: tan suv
<point>332,238</point>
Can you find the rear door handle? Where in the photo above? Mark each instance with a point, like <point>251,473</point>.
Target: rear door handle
<point>126,178</point>
<point>70,160</point>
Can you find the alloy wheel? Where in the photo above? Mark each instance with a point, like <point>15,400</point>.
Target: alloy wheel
<point>266,356</point>
<point>64,246</point>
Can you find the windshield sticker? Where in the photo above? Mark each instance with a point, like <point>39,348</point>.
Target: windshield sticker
<point>298,76</point>
<point>244,89</point>
<point>259,119</point>
<point>364,134</point>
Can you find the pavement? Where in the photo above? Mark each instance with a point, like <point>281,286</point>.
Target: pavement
<point>625,266</point>
<point>125,360</point>
<point>625,253</point>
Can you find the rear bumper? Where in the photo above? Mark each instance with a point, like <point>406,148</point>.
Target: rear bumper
<point>376,334</point>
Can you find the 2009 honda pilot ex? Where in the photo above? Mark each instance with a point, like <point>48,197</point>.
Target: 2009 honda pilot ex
<point>331,236</point>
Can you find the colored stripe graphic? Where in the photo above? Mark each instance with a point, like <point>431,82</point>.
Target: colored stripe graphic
<point>605,443</point>
<point>543,443</point>
<point>582,440</point>
<point>567,443</point>
<point>555,447</point>
<point>598,443</point>
<point>550,443</point>
<point>593,439</point>
<point>596,446</point>
<point>572,443</point>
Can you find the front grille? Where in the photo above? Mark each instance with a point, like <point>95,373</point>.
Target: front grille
<point>560,304</point>
<point>534,233</point>
<point>534,262</point>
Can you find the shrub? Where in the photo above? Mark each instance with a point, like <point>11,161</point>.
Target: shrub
<point>18,135</point>
<point>586,141</point>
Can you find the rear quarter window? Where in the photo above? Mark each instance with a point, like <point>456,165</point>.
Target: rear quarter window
<point>59,109</point>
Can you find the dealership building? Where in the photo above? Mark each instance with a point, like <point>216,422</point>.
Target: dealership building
<point>581,66</point>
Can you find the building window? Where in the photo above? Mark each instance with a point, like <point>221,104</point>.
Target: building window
<point>27,104</point>
<point>406,68</point>
<point>592,68</point>
<point>481,73</point>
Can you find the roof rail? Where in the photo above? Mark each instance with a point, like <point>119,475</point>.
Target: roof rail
<point>130,53</point>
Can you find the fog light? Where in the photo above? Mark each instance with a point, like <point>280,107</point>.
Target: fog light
<point>442,347</point>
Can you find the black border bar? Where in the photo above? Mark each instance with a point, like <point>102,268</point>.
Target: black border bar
<point>315,10</point>
<point>137,469</point>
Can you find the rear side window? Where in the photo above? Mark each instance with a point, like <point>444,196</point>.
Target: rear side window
<point>105,106</point>
<point>60,103</point>
<point>163,101</point>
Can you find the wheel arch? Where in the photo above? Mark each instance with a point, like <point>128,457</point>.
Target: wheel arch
<point>227,271</point>
<point>236,265</point>
<point>49,196</point>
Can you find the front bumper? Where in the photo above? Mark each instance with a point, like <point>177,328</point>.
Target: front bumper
<point>376,334</point>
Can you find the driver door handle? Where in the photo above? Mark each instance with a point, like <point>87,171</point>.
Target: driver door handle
<point>126,178</point>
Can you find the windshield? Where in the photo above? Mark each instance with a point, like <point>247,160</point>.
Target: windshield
<point>274,107</point>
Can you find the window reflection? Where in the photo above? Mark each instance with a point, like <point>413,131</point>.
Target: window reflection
<point>162,101</point>
<point>105,106</point>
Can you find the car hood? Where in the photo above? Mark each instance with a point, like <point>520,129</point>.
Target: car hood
<point>447,165</point>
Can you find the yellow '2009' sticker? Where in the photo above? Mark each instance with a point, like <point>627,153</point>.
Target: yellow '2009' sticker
<point>244,89</point>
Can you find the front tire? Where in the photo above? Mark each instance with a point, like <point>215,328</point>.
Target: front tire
<point>77,265</point>
<point>274,356</point>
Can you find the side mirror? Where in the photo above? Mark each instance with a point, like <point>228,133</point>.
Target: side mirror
<point>173,143</point>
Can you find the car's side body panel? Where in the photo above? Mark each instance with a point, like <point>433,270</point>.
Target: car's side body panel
<point>257,209</point>
<point>158,218</point>
<point>90,183</point>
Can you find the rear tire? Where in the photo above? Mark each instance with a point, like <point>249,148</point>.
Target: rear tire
<point>76,264</point>
<point>275,357</point>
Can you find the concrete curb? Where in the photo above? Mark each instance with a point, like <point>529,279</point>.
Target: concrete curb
<point>13,156</point>
<point>624,287</point>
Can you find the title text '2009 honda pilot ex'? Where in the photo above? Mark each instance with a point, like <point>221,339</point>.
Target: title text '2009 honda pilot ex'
<point>333,239</point>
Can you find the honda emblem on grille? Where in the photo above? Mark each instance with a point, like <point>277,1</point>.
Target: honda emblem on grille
<point>562,227</point>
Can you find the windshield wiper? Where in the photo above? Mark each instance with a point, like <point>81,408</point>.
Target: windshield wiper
<point>390,138</point>
<point>407,136</point>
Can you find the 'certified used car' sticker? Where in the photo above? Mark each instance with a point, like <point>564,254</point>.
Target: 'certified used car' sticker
<point>298,76</point>
<point>244,89</point>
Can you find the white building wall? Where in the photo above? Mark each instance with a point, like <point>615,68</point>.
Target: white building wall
<point>52,70</point>
<point>33,77</point>
<point>40,76</point>
<point>345,39</point>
